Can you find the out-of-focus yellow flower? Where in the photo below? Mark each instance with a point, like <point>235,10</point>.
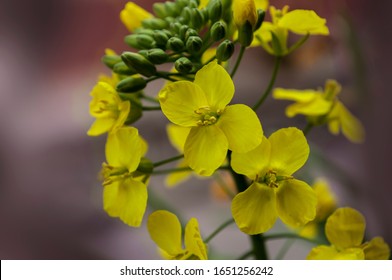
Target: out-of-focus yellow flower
<point>345,230</point>
<point>244,11</point>
<point>272,36</point>
<point>132,16</point>
<point>261,4</point>
<point>125,190</point>
<point>215,127</point>
<point>108,109</point>
<point>165,230</point>
<point>274,191</point>
<point>323,107</point>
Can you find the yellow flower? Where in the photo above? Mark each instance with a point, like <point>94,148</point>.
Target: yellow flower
<point>274,192</point>
<point>272,36</point>
<point>133,15</point>
<point>262,4</point>
<point>125,190</point>
<point>215,127</point>
<point>108,109</point>
<point>345,230</point>
<point>244,11</point>
<point>165,230</point>
<point>323,107</point>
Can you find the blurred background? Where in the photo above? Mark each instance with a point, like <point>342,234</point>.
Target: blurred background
<point>50,195</point>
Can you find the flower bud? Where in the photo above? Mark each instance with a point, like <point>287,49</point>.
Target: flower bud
<point>194,44</point>
<point>183,31</point>
<point>214,10</point>
<point>145,166</point>
<point>131,84</point>
<point>245,34</point>
<point>183,65</point>
<point>122,69</point>
<point>140,41</point>
<point>244,11</point>
<point>186,14</point>
<point>225,50</point>
<point>160,38</point>
<point>139,63</point>
<point>175,44</point>
<point>136,111</point>
<point>159,10</point>
<point>197,18</point>
<point>190,32</point>
<point>260,19</point>
<point>172,9</point>
<point>154,23</point>
<point>111,60</point>
<point>218,30</point>
<point>157,56</point>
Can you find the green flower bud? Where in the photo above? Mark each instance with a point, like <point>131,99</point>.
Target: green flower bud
<point>260,19</point>
<point>215,10</point>
<point>111,60</point>
<point>218,30</point>
<point>145,166</point>
<point>143,53</point>
<point>144,31</point>
<point>197,18</point>
<point>245,34</point>
<point>131,84</point>
<point>140,41</point>
<point>194,44</point>
<point>122,69</point>
<point>161,38</point>
<point>175,44</point>
<point>172,9</point>
<point>225,50</point>
<point>186,14</point>
<point>159,9</point>
<point>190,32</point>
<point>182,3</point>
<point>182,32</point>
<point>139,63</point>
<point>175,27</point>
<point>157,56</point>
<point>154,23</point>
<point>183,65</point>
<point>193,4</point>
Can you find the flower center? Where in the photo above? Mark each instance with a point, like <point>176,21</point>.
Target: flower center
<point>207,116</point>
<point>111,174</point>
<point>271,179</point>
<point>104,107</point>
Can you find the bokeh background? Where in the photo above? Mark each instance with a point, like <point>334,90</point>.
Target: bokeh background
<point>50,196</point>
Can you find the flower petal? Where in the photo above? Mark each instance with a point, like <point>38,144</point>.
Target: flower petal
<point>132,16</point>
<point>205,149</point>
<point>165,230</point>
<point>127,200</point>
<point>242,128</point>
<point>100,126</point>
<point>193,242</point>
<point>176,178</point>
<point>124,148</point>
<point>179,100</point>
<point>303,22</point>
<point>316,107</point>
<point>323,252</point>
<point>306,95</point>
<point>376,249</point>
<point>296,202</point>
<point>253,162</point>
<point>216,84</point>
<point>254,210</point>
<point>289,150</point>
<point>345,228</point>
<point>177,136</point>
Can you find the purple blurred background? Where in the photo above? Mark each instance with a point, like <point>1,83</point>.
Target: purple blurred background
<point>50,197</point>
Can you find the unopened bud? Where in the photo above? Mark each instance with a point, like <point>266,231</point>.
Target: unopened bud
<point>245,34</point>
<point>122,69</point>
<point>186,14</point>
<point>140,41</point>
<point>172,9</point>
<point>190,32</point>
<point>215,10</point>
<point>260,19</point>
<point>111,60</point>
<point>218,30</point>
<point>157,56</point>
<point>183,65</point>
<point>194,44</point>
<point>160,38</point>
<point>131,84</point>
<point>183,31</point>
<point>197,18</point>
<point>225,50</point>
<point>154,23</point>
<point>145,166</point>
<point>244,11</point>
<point>159,10</point>
<point>175,44</point>
<point>139,63</point>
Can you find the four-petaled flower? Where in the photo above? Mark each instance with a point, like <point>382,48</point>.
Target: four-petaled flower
<point>323,107</point>
<point>274,191</point>
<point>215,126</point>
<point>125,190</point>
<point>165,230</point>
<point>345,230</point>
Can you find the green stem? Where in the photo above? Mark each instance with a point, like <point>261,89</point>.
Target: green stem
<point>218,230</point>
<point>153,108</point>
<point>238,62</point>
<point>298,44</point>
<point>162,162</point>
<point>166,171</point>
<point>289,235</point>
<point>165,76</point>
<point>149,98</point>
<point>278,60</point>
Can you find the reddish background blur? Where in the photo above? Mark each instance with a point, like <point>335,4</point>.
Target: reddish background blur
<point>50,198</point>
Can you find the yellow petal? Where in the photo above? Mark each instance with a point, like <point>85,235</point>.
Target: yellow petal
<point>179,100</point>
<point>127,200</point>
<point>100,126</point>
<point>306,95</point>
<point>376,249</point>
<point>253,162</point>
<point>261,4</point>
<point>177,136</point>
<point>289,150</point>
<point>345,228</point>
<point>303,22</point>
<point>193,242</point>
<point>316,107</point>
<point>330,253</point>
<point>254,210</point>
<point>124,148</point>
<point>205,149</point>
<point>133,15</point>
<point>165,230</point>
<point>241,127</point>
<point>296,202</point>
<point>326,200</point>
<point>176,178</point>
<point>243,11</point>
<point>217,85</point>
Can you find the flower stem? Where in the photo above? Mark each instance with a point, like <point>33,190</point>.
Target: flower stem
<point>166,171</point>
<point>289,235</point>
<point>152,108</point>
<point>218,230</point>
<point>278,60</point>
<point>237,63</point>
<point>162,162</point>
